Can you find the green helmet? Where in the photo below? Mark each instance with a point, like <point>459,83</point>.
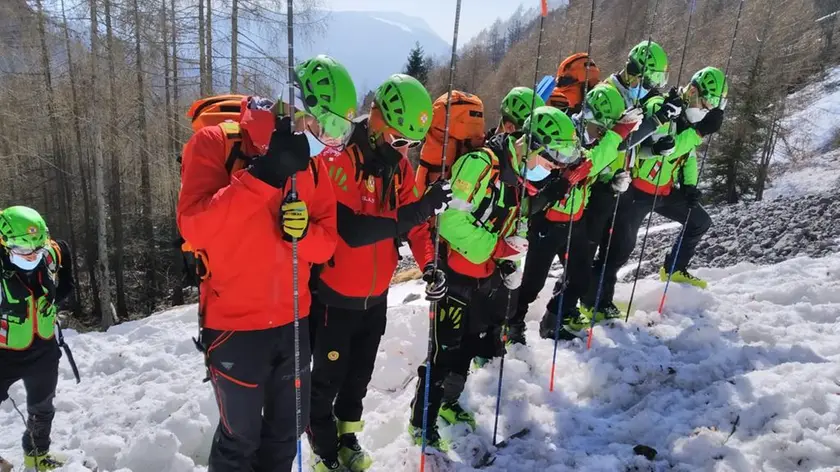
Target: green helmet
<point>604,105</point>
<point>648,59</point>
<point>23,227</point>
<point>328,94</point>
<point>405,105</point>
<point>517,104</point>
<point>552,132</point>
<point>711,83</point>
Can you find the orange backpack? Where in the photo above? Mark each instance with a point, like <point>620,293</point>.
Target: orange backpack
<point>571,81</point>
<point>223,111</point>
<point>466,129</point>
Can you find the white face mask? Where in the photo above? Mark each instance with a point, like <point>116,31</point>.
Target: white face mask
<point>26,264</point>
<point>695,115</point>
<point>315,144</point>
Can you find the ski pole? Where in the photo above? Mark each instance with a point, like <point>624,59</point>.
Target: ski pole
<point>559,320</point>
<point>522,191</point>
<point>632,153</point>
<point>293,195</point>
<point>434,304</point>
<point>702,164</point>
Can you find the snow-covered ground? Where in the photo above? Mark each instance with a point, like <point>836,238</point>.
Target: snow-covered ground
<point>742,377</point>
<point>803,157</point>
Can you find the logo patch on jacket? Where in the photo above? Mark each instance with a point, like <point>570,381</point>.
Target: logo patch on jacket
<point>462,185</point>
<point>333,356</point>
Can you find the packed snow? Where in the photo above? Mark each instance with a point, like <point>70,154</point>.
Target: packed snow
<point>740,377</point>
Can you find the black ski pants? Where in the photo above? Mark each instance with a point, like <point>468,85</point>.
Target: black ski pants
<point>253,377</point>
<point>467,325</point>
<point>39,371</point>
<point>547,239</point>
<point>599,213</point>
<point>633,208</point>
<point>344,347</point>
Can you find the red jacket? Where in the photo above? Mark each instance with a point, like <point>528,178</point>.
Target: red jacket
<point>359,274</point>
<point>235,221</point>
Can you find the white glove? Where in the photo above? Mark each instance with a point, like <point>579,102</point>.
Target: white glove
<point>621,181</point>
<point>632,116</point>
<point>518,244</point>
<point>514,280</point>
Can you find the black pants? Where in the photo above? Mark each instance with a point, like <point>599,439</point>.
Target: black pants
<point>345,343</point>
<point>253,377</point>
<point>467,325</point>
<point>635,205</point>
<point>599,213</point>
<point>39,372</point>
<point>547,239</point>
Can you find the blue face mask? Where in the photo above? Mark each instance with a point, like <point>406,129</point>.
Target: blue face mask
<point>638,92</point>
<point>315,145</point>
<point>23,263</point>
<point>537,173</point>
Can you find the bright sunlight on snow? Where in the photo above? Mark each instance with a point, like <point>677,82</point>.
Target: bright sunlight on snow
<point>741,377</point>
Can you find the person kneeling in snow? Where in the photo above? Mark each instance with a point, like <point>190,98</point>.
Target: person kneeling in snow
<point>377,203</point>
<point>37,278</point>
<point>246,224</point>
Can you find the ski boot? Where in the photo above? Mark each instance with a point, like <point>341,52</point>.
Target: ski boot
<point>608,311</point>
<point>479,362</point>
<point>350,452</point>
<point>682,276</point>
<point>326,465</point>
<point>516,335</point>
<point>452,413</point>
<point>42,462</point>
<point>433,439</point>
<point>574,321</point>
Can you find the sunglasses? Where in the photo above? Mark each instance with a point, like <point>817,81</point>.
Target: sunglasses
<point>564,152</point>
<point>398,143</point>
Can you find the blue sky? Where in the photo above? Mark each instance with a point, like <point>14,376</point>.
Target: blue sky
<point>440,14</point>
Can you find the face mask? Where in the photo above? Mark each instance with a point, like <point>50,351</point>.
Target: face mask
<point>637,92</point>
<point>315,145</point>
<point>695,115</point>
<point>24,263</point>
<point>537,173</point>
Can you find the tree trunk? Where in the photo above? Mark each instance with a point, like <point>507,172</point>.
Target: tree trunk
<point>146,215</point>
<point>117,261</point>
<point>177,259</point>
<point>90,248</point>
<point>209,30</point>
<point>59,168</point>
<point>234,45</point>
<point>95,137</point>
<point>202,53</point>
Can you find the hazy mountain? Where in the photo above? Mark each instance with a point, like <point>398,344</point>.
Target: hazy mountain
<point>373,45</point>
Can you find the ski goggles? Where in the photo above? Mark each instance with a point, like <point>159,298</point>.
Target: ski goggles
<point>560,152</point>
<point>24,251</point>
<point>710,102</point>
<point>398,143</point>
<point>333,130</point>
<point>655,78</point>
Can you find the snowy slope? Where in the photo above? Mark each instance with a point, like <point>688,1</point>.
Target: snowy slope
<point>803,161</point>
<point>759,350</point>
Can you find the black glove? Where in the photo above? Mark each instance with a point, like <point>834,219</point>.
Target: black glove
<point>435,279</point>
<point>692,195</point>
<point>710,123</point>
<point>556,189</point>
<point>671,108</point>
<point>664,146</point>
<point>437,197</point>
<point>287,154</point>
